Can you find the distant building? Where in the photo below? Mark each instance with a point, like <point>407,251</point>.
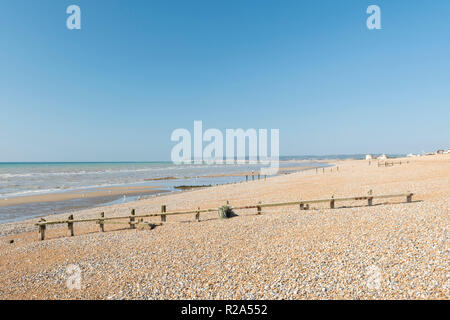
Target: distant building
<point>382,157</point>
<point>368,157</point>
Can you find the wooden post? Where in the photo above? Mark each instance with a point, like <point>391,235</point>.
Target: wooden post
<point>102,225</point>
<point>258,208</point>
<point>259,176</point>
<point>332,203</point>
<point>253,177</point>
<point>369,201</point>
<point>197,216</point>
<point>323,170</point>
<point>246,178</point>
<point>302,206</point>
<point>42,229</point>
<point>163,209</point>
<point>409,198</point>
<point>70,225</point>
<point>132,225</point>
<point>337,168</point>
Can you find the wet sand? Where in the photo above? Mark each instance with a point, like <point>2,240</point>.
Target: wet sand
<point>27,207</point>
<point>94,193</point>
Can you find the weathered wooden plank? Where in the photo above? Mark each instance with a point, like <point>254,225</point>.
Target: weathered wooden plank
<point>409,198</point>
<point>163,216</point>
<point>133,214</point>
<point>42,230</point>
<point>127,222</point>
<point>165,213</point>
<point>70,225</point>
<point>197,215</point>
<point>128,217</point>
<point>101,222</point>
<point>243,207</point>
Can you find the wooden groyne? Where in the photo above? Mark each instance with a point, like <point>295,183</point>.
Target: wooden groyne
<point>132,222</point>
<point>387,163</point>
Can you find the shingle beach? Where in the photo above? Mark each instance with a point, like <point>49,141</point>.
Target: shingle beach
<point>391,250</point>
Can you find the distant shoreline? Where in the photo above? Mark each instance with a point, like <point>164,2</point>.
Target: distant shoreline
<point>356,156</point>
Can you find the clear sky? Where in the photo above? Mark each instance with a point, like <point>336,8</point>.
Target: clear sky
<point>116,89</point>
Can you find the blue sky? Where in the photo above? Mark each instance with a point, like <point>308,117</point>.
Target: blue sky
<point>137,70</point>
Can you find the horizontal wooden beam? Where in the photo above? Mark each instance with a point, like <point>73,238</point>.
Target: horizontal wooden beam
<point>292,203</point>
<point>168,213</point>
<point>128,223</point>
<point>262,205</point>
